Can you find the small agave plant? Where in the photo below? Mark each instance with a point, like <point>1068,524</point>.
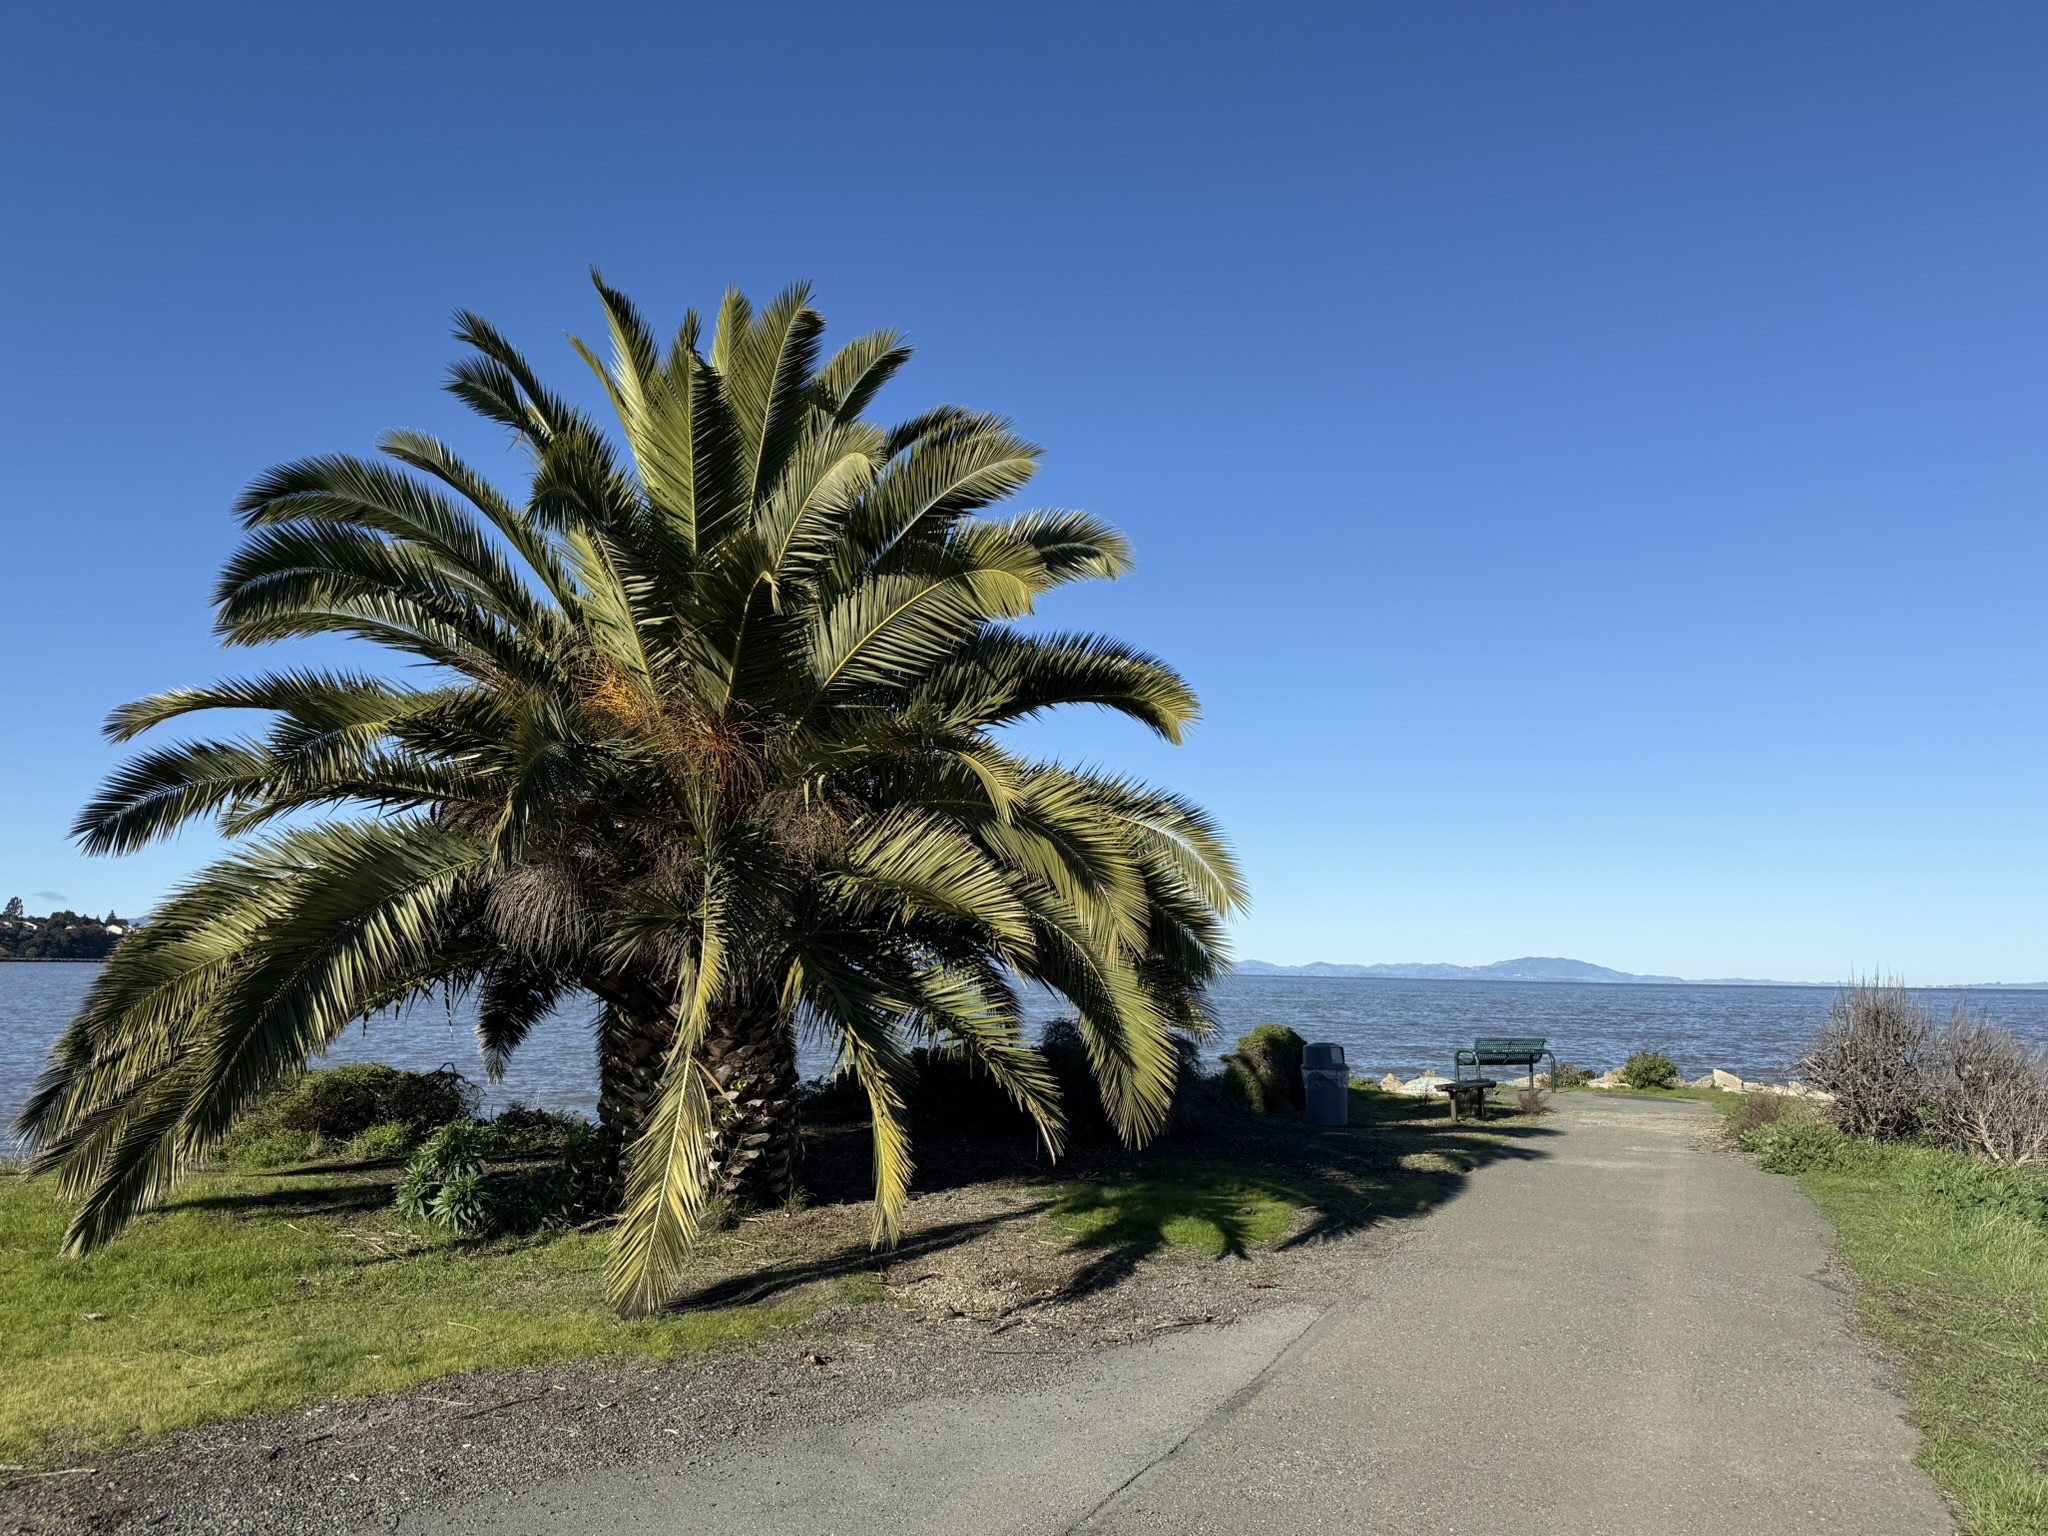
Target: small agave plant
<point>445,1182</point>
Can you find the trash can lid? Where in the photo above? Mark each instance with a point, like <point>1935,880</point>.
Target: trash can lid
<point>1323,1054</point>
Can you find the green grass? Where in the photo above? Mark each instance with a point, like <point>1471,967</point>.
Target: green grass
<point>1208,1209</point>
<point>1950,1255</point>
<point>254,1294</point>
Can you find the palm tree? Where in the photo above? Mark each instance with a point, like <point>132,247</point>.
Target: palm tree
<point>705,730</point>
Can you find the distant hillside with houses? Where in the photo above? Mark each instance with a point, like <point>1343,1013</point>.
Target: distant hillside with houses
<point>59,935</point>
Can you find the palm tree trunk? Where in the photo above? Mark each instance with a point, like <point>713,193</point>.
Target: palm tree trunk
<point>750,1052</point>
<point>631,1047</point>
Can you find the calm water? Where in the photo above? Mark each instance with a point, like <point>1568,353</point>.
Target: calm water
<point>1400,1026</point>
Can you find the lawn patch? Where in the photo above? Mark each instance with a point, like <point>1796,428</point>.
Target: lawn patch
<point>251,1294</point>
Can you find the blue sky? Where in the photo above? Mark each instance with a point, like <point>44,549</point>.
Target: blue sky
<point>1589,458</point>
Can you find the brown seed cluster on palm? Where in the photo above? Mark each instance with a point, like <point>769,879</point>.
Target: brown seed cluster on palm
<point>706,727</point>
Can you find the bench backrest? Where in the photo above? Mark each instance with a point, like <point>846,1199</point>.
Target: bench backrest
<point>1509,1050</point>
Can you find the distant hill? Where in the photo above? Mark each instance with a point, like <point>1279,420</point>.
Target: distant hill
<point>58,935</point>
<point>1551,968</point>
<point>1528,968</point>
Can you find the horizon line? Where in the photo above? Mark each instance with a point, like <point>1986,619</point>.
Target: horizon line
<point>1498,970</point>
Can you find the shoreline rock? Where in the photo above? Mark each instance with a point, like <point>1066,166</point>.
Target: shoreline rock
<point>1432,1082</point>
<point>1422,1087</point>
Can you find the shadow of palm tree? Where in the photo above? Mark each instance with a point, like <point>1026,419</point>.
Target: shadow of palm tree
<point>1223,1182</point>
<point>1198,1188</point>
<point>1215,1209</point>
<point>317,1195</point>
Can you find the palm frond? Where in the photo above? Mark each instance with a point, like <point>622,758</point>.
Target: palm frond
<point>668,1180</point>
<point>767,365</point>
<point>909,864</point>
<point>967,463</point>
<point>847,385</point>
<point>852,1008</point>
<point>998,676</point>
<point>500,385</point>
<point>978,1014</point>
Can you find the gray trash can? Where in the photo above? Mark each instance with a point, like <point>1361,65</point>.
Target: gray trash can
<point>1326,1084</point>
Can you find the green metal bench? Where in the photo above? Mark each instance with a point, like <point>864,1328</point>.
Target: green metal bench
<point>1506,1051</point>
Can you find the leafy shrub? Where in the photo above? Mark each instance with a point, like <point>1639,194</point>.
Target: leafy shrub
<point>417,1187</point>
<point>338,1102</point>
<point>1066,1053</point>
<point>328,1107</point>
<point>955,1091</point>
<point>952,1091</point>
<point>1650,1069</point>
<point>380,1143</point>
<point>517,1130</point>
<point>1264,1072</point>
<point>461,1203</point>
<point>1872,1057</point>
<point>1569,1076</point>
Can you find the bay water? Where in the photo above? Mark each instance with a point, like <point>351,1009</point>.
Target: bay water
<point>1384,1024</point>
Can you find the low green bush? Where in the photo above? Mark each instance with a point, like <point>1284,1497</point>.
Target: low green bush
<point>266,1148</point>
<point>1264,1073</point>
<point>1080,1095</point>
<point>1569,1076</point>
<point>954,1091</point>
<point>381,1143</point>
<point>1795,1146</point>
<point>339,1102</point>
<point>518,1131</point>
<point>1650,1069</point>
<point>326,1108</point>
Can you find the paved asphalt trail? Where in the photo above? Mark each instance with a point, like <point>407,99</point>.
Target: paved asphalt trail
<point>1629,1334</point>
